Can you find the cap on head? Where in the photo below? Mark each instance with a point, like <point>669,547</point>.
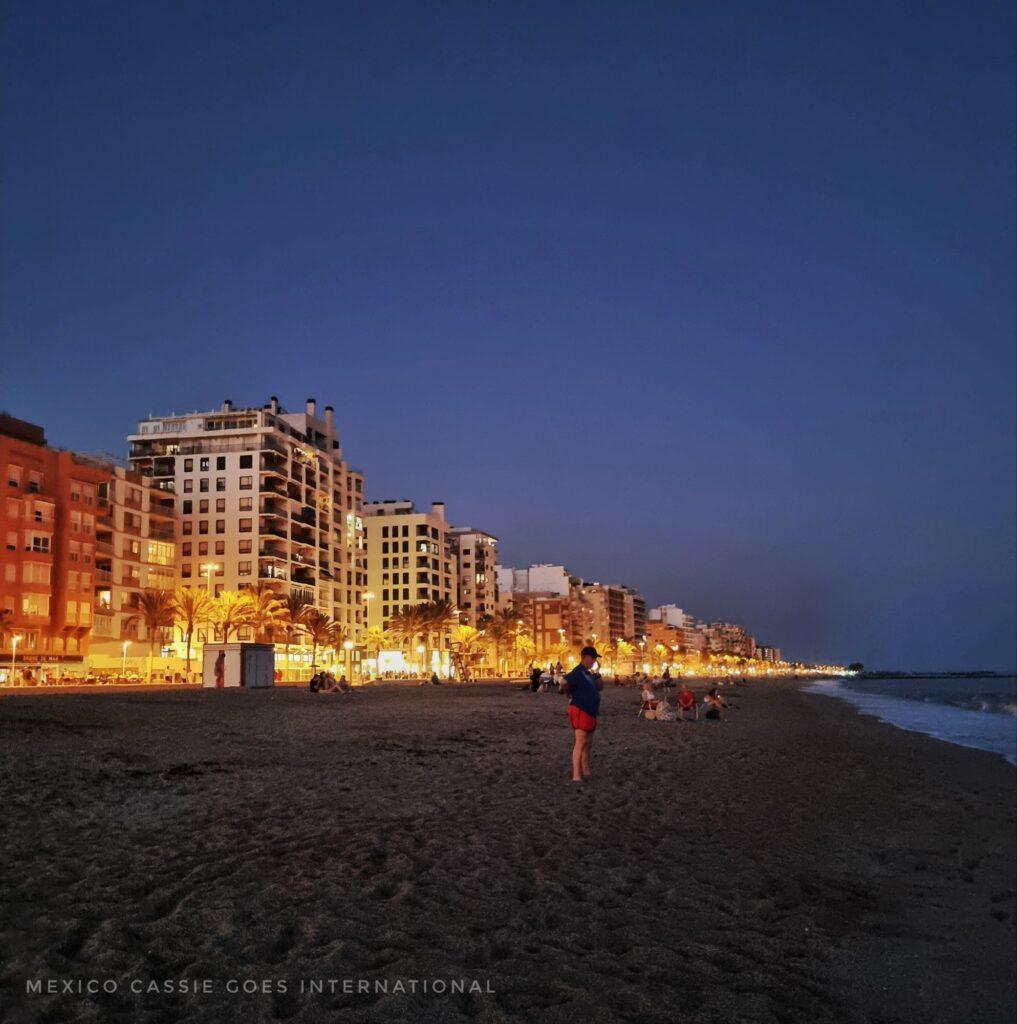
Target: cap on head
<point>589,652</point>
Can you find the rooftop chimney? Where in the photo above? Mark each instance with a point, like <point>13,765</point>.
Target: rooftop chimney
<point>273,404</point>
<point>227,406</point>
<point>438,509</point>
<point>312,407</point>
<point>330,419</point>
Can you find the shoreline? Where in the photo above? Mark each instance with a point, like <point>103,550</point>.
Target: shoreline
<point>798,861</point>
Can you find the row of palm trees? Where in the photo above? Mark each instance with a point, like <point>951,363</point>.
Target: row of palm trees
<point>272,618</point>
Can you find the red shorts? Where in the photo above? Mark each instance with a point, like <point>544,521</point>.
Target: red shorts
<point>581,720</point>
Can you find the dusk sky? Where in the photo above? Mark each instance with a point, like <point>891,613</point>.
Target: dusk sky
<point>715,300</point>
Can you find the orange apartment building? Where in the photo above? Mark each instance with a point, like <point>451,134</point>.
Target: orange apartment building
<point>47,521</point>
<point>82,538</point>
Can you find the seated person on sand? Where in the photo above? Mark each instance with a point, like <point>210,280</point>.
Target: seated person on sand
<point>650,700</point>
<point>687,702</point>
<point>342,686</point>
<point>714,703</point>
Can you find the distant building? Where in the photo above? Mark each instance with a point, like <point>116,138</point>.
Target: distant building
<point>409,558</point>
<point>475,555</point>
<point>728,638</point>
<point>261,494</point>
<point>82,538</point>
<point>135,551</point>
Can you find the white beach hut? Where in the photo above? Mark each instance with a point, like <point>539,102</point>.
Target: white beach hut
<point>248,665</point>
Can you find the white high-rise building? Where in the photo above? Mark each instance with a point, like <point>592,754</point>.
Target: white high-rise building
<point>261,494</point>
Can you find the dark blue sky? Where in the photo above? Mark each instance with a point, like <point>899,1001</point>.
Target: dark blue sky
<point>714,299</point>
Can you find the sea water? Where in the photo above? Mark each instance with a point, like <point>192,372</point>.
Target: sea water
<point>980,713</point>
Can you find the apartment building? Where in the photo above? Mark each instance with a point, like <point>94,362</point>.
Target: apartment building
<point>135,550</point>
<point>261,494</point>
<point>475,557</point>
<point>47,520</point>
<point>409,558</point>
<point>767,653</point>
<point>728,638</point>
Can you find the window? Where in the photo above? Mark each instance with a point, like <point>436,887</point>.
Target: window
<point>203,465</point>
<point>12,540</point>
<point>203,484</point>
<point>202,548</point>
<point>220,547</point>
<point>220,483</point>
<point>203,507</point>
<point>188,465</point>
<point>245,525</point>
<point>220,526</point>
<point>188,486</point>
<point>10,572</point>
<point>244,547</point>
<point>246,505</point>
<point>187,527</point>
<point>185,571</point>
<point>243,568</point>
<point>203,526</point>
<point>220,462</point>
<point>39,542</point>
<point>246,462</point>
<point>220,504</point>
<point>14,476</point>
<point>185,549</point>
<point>39,572</point>
<point>188,507</point>
<point>246,482</point>
<point>35,604</point>
<point>13,508</point>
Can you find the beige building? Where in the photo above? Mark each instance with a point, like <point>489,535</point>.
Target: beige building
<point>261,494</point>
<point>475,555</point>
<point>409,558</point>
<point>135,549</point>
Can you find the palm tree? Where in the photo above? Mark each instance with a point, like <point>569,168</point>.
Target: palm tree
<point>266,611</point>
<point>438,618</point>
<point>292,614</point>
<point>320,631</point>
<point>157,610</point>
<point>502,630</point>
<point>375,640</point>
<point>626,649</point>
<point>231,612</point>
<point>466,642</point>
<point>406,626</point>
<point>191,607</point>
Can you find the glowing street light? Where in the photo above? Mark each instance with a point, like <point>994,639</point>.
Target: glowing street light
<point>348,644</point>
<point>15,640</point>
<point>123,659</point>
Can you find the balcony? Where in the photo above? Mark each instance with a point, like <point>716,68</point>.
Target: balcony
<point>103,575</point>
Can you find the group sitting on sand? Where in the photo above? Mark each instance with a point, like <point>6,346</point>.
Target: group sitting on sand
<point>325,682</point>
<point>655,706</point>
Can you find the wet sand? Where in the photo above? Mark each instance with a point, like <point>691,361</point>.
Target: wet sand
<point>796,862</point>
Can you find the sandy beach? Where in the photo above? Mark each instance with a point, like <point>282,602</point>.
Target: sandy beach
<point>796,862</point>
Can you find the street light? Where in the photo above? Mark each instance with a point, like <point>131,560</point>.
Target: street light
<point>421,651</point>
<point>123,659</point>
<point>348,644</point>
<point>15,640</point>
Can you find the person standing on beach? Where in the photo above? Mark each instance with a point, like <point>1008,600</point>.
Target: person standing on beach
<point>583,687</point>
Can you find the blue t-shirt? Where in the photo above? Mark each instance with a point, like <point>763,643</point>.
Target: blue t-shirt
<point>583,692</point>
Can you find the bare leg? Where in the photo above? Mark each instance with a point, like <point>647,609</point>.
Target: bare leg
<point>585,758</point>
<point>578,754</point>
